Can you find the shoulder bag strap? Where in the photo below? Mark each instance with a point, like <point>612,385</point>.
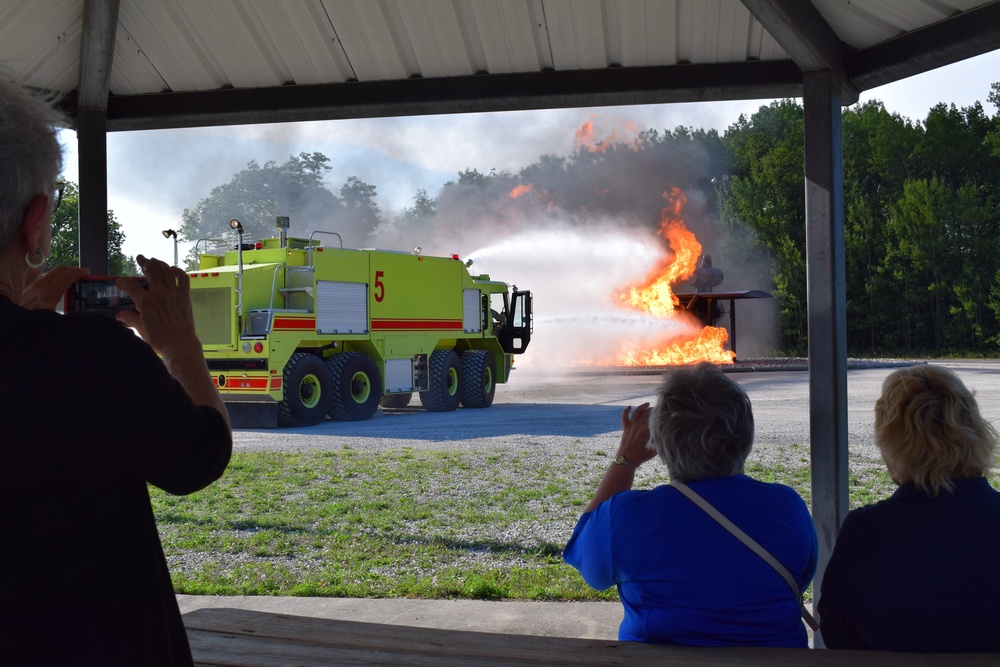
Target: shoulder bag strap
<point>751,543</point>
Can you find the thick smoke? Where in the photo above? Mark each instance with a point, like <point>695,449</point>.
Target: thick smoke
<point>576,229</point>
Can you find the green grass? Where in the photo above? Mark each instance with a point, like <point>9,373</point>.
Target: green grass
<point>406,523</point>
<point>377,524</point>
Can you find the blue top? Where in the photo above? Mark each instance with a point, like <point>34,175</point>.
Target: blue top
<point>684,579</point>
<point>915,573</point>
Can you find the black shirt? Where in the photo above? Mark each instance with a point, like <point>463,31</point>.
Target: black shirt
<point>89,415</point>
<point>915,573</point>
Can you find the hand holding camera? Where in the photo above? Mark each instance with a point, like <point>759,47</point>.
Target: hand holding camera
<point>162,311</point>
<point>46,290</point>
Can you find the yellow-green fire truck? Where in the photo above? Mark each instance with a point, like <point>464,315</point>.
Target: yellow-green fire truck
<point>295,331</point>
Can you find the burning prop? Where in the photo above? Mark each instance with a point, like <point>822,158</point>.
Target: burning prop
<point>655,297</point>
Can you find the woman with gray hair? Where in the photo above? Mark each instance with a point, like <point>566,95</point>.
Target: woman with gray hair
<point>914,572</point>
<point>683,576</point>
<point>90,414</point>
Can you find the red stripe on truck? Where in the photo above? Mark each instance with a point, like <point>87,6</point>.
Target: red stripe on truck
<point>410,325</point>
<point>288,323</point>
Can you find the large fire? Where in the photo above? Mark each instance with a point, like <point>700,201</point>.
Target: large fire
<point>656,297</point>
<point>691,341</point>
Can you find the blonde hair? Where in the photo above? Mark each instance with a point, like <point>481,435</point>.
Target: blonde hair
<point>928,426</point>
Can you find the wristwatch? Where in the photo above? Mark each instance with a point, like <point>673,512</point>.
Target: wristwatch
<point>622,461</point>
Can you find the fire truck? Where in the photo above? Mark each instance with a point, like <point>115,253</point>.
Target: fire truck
<point>295,331</point>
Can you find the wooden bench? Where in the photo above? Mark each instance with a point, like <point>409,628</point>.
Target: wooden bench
<point>246,638</point>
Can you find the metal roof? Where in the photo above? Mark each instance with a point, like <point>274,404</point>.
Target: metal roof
<point>174,63</point>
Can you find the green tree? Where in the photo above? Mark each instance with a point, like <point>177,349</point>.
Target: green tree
<point>358,210</point>
<point>65,249</point>
<point>424,208</point>
<point>922,260</point>
<point>976,244</point>
<point>954,145</point>
<point>993,138</point>
<point>472,177</point>
<point>257,194</point>
<point>878,148</point>
<point>767,192</point>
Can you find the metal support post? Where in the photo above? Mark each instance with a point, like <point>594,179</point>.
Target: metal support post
<point>827,310</point>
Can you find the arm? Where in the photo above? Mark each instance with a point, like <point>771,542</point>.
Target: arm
<point>635,436</point>
<point>165,320</point>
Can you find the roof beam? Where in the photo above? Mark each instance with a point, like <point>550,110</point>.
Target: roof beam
<point>806,37</point>
<point>965,35</point>
<point>459,94</point>
<point>97,49</point>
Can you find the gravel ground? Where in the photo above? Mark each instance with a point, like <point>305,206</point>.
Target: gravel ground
<point>562,427</point>
<point>550,413</point>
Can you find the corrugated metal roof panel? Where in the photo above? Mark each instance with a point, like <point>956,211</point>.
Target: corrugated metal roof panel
<point>576,34</point>
<point>436,35</point>
<point>133,73</point>
<point>507,36</point>
<point>231,41</point>
<point>648,33</point>
<point>199,45</point>
<point>319,55</point>
<point>42,41</point>
<point>167,37</point>
<point>371,45</point>
<point>296,41</point>
<point>862,23</point>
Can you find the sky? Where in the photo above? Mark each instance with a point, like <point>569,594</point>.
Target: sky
<point>154,175</point>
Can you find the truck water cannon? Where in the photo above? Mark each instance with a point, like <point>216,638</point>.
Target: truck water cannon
<point>295,332</point>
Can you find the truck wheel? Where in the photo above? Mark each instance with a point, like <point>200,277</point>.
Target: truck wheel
<point>445,378</point>
<point>306,380</point>
<point>396,401</point>
<point>357,386</point>
<point>478,385</point>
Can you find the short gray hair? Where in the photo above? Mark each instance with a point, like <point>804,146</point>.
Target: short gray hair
<point>702,424</point>
<point>30,153</point>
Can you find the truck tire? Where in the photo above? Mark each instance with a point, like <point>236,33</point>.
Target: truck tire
<point>357,386</point>
<point>306,380</point>
<point>396,401</point>
<point>445,382</point>
<point>478,383</point>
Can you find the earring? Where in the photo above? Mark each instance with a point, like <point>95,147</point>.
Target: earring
<point>35,265</point>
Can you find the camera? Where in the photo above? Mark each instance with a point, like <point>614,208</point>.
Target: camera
<point>98,294</point>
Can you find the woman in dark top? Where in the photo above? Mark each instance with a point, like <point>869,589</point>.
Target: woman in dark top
<point>915,572</point>
<point>89,414</point>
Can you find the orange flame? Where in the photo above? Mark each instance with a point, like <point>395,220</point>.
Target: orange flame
<point>707,345</point>
<point>586,136</point>
<point>657,298</point>
<point>656,295</point>
<point>541,196</point>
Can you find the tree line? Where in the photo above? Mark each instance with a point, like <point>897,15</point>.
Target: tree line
<point>922,225</point>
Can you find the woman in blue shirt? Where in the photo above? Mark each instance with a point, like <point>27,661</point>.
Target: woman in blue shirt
<point>681,576</point>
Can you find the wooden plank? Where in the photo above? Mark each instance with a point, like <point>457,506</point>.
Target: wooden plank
<point>257,639</point>
<point>239,635</point>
